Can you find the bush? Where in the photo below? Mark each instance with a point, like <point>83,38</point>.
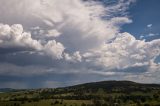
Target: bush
<point>83,104</point>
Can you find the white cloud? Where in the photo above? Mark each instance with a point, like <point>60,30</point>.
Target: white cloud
<point>125,51</point>
<point>152,34</point>
<point>76,29</point>
<point>53,33</point>
<point>76,57</point>
<point>86,33</point>
<point>54,49</point>
<point>149,35</point>
<point>78,36</point>
<point>149,25</point>
<point>14,36</point>
<point>142,36</point>
<point>120,20</point>
<point>119,8</point>
<point>149,76</point>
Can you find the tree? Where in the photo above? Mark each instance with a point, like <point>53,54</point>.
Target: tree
<point>156,96</point>
<point>83,104</point>
<point>56,102</point>
<point>146,104</point>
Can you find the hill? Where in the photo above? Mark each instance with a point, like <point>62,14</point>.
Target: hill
<point>6,90</point>
<point>111,85</point>
<point>104,93</point>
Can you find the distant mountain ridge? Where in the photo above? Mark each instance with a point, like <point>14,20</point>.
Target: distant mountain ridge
<point>6,90</point>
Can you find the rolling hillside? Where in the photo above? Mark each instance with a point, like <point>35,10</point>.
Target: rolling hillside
<point>105,93</point>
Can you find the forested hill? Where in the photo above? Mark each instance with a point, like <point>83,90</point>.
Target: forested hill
<point>112,86</point>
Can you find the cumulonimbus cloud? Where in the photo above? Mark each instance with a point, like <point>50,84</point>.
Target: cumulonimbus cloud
<point>75,33</point>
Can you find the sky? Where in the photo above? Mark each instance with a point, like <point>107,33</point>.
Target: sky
<point>57,43</point>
